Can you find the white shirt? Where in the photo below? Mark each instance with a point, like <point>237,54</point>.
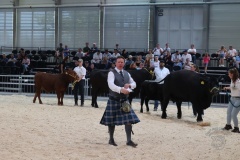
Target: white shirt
<point>108,55</point>
<point>81,71</point>
<point>232,52</point>
<point>115,55</point>
<point>157,51</point>
<point>114,87</point>
<point>185,56</point>
<point>235,88</point>
<point>155,64</point>
<point>97,57</point>
<point>192,50</point>
<point>161,73</point>
<point>176,57</point>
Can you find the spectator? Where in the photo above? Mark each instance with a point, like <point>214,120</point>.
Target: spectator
<point>80,53</point>
<point>106,62</point>
<point>187,65</point>
<point>12,60</point>
<point>62,65</point>
<point>231,56</point>
<point>155,63</point>
<point>222,52</point>
<point>176,59</point>
<point>168,58</point>
<point>66,51</point>
<point>107,54</point>
<point>114,55</point>
<point>192,51</point>
<point>4,58</point>
<point>97,57</point>
<point>133,66</point>
<point>186,55</point>
<point>147,62</point>
<point>206,60</point>
<point>94,48</point>
<point>59,53</point>
<point>117,47</point>
<point>150,55</point>
<point>86,49</point>
<point>157,51</point>
<point>166,49</point>
<point>25,64</point>
<point>125,53</point>
<point>129,61</point>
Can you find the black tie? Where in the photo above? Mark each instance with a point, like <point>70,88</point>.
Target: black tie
<point>121,74</point>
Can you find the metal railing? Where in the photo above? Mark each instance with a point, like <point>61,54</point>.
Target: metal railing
<point>22,84</point>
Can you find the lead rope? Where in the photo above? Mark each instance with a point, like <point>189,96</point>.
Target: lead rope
<point>231,101</point>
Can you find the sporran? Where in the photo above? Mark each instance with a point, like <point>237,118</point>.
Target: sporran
<point>126,106</point>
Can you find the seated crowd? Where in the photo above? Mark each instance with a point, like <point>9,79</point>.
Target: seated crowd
<point>94,58</point>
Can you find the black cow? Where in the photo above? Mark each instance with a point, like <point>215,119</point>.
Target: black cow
<point>150,90</point>
<point>98,80</point>
<point>188,86</point>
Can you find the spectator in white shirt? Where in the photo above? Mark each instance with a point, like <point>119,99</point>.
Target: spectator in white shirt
<point>115,55</point>
<point>166,49</point>
<point>186,55</point>
<point>157,51</point>
<point>80,53</point>
<point>97,57</point>
<point>231,56</point>
<point>192,51</point>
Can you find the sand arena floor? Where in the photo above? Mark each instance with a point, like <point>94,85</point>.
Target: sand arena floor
<point>51,132</point>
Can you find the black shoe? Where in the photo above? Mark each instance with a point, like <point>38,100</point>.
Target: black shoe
<point>227,127</point>
<point>236,130</point>
<point>132,144</point>
<point>112,142</point>
<point>75,104</point>
<point>82,104</point>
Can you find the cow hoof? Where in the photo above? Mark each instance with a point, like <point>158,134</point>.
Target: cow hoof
<point>96,107</point>
<point>141,111</point>
<point>164,116</point>
<point>179,116</point>
<point>199,120</point>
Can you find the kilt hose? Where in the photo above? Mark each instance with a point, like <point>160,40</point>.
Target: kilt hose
<point>113,115</point>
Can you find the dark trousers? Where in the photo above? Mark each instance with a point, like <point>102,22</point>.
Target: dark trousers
<point>79,86</point>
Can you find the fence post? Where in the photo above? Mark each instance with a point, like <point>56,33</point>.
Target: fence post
<point>20,84</point>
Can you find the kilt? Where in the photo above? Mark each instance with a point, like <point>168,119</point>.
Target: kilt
<point>113,115</point>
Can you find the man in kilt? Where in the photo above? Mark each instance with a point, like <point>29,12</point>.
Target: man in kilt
<point>120,84</point>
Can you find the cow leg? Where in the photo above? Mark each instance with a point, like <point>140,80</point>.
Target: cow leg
<point>35,97</point>
<point>146,103</point>
<point>199,116</point>
<point>164,107</point>
<point>59,96</point>
<point>179,113</point>
<point>142,100</point>
<point>39,98</point>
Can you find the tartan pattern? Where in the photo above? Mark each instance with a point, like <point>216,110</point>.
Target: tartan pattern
<point>113,115</point>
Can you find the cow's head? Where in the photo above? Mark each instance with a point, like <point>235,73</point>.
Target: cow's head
<point>212,84</point>
<point>151,71</point>
<point>72,75</point>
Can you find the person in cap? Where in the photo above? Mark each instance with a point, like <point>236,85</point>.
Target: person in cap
<point>79,86</point>
<point>160,72</point>
<point>120,84</point>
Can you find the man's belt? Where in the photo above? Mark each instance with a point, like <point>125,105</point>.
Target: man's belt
<point>119,99</point>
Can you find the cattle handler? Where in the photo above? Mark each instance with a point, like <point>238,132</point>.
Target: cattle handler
<point>79,86</point>
<point>120,84</point>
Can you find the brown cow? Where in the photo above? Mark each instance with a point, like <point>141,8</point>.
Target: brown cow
<point>53,82</point>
